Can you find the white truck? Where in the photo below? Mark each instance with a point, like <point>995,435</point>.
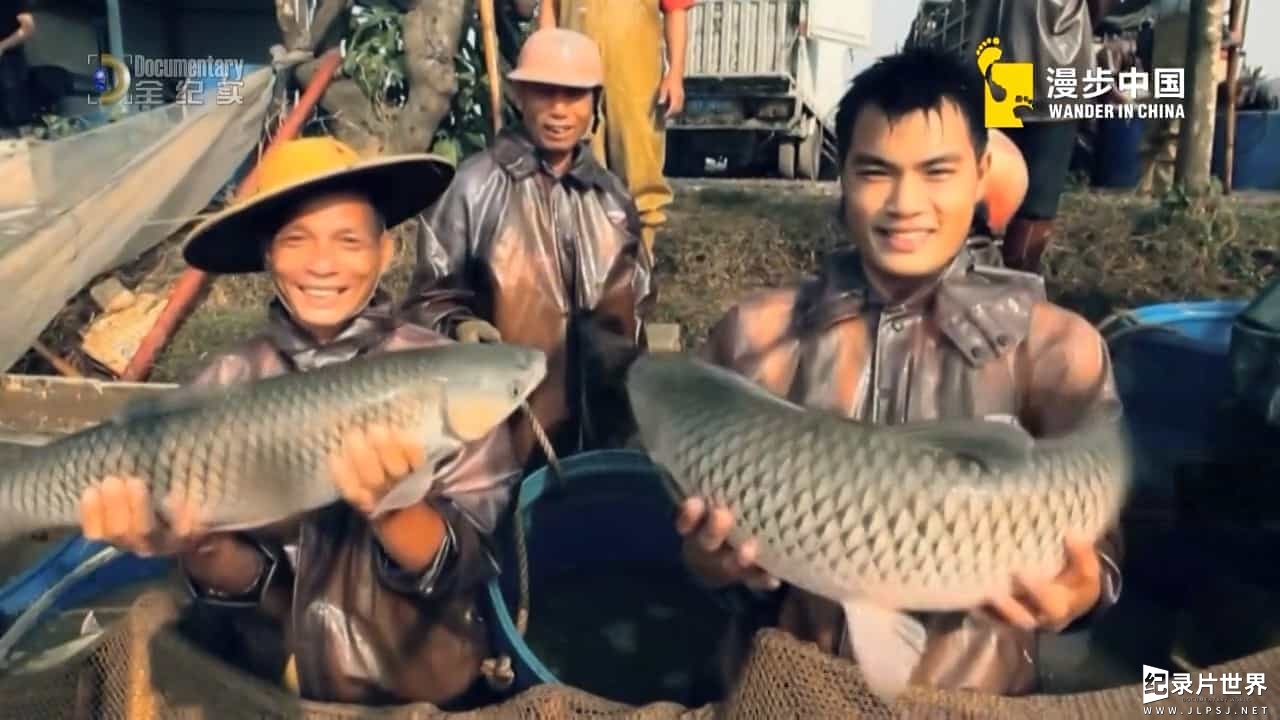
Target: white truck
<point>762,80</point>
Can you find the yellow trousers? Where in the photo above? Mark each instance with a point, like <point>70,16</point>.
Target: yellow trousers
<point>630,139</point>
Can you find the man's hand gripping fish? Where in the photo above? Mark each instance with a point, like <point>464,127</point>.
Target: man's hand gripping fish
<point>257,453</point>
<point>934,516</point>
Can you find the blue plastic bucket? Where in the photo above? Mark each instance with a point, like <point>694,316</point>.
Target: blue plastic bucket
<point>1117,159</point>
<point>21,590</point>
<point>1118,162</point>
<point>1257,146</point>
<point>1172,371</point>
<point>613,509</point>
<point>1205,324</point>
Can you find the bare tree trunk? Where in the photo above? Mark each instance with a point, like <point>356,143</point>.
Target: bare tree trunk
<point>354,120</point>
<point>1195,141</point>
<point>432,32</point>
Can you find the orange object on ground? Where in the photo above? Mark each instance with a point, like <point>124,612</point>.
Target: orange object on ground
<point>1007,183</point>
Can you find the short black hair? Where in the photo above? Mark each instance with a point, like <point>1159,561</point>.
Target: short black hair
<point>919,78</point>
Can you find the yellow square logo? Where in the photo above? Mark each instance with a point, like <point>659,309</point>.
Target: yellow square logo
<point>1007,87</point>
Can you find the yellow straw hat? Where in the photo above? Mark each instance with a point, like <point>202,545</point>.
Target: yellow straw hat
<point>399,186</point>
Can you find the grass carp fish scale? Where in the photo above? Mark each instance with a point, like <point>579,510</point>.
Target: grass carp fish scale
<point>929,516</point>
<point>258,452</point>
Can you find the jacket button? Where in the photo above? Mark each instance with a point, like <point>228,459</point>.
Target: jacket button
<point>897,326</point>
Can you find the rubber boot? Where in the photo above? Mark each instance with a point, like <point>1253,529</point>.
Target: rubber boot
<point>647,235</point>
<point>1025,242</point>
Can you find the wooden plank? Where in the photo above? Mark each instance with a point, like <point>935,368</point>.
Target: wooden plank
<point>113,338</point>
<point>113,193</point>
<point>33,405</point>
<point>19,186</point>
<point>663,337</point>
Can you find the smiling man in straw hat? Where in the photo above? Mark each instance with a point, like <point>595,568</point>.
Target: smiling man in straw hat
<point>374,611</point>
<point>539,245</point>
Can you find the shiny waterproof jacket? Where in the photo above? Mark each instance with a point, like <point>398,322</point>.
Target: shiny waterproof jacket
<point>361,629</point>
<point>980,342</point>
<point>552,262</point>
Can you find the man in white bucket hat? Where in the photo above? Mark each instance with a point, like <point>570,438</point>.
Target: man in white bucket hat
<point>537,244</point>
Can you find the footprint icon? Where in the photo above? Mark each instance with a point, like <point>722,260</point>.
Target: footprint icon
<point>989,53</point>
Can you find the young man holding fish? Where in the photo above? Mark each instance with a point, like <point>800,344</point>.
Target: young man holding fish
<point>906,327</point>
<point>536,244</point>
<point>374,608</point>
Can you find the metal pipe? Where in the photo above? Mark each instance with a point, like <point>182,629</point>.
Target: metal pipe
<point>115,31</point>
<point>188,286</point>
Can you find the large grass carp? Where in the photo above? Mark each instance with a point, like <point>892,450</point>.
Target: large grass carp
<point>256,453</point>
<point>931,516</point>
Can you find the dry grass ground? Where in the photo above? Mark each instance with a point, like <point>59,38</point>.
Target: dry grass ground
<point>726,239</point>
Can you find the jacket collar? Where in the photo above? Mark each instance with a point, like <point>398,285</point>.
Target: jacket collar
<point>368,328</point>
<point>984,314</point>
<point>515,153</point>
<point>842,290</point>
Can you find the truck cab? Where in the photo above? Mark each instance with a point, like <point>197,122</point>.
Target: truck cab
<point>762,80</point>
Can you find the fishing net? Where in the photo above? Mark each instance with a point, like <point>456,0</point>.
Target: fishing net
<point>88,203</point>
<point>141,669</point>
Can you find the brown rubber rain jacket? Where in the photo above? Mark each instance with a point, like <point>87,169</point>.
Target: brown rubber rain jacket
<point>981,341</point>
<point>361,629</point>
<point>552,263</point>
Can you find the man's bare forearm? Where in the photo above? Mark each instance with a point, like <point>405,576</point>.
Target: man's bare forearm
<point>676,30</point>
<point>548,13</point>
<point>26,28</point>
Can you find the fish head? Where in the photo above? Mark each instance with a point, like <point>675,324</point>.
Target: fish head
<point>484,383</point>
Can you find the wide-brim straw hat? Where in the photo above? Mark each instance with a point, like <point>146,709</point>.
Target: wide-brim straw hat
<point>233,240</point>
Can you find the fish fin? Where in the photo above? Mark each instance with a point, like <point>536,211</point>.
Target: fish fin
<point>178,400</point>
<point>748,388</point>
<point>412,489</point>
<point>471,418</point>
<point>992,443</point>
<point>887,645</point>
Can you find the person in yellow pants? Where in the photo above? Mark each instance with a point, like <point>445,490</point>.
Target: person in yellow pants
<point>639,96</point>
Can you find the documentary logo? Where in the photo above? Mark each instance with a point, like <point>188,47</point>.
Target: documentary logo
<point>142,80</point>
<point>1010,90</point>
